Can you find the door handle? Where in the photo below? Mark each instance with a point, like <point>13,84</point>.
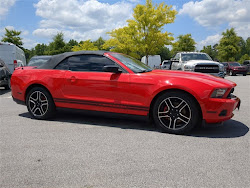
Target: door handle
<point>72,79</point>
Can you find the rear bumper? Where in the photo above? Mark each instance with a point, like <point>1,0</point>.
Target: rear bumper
<point>219,110</point>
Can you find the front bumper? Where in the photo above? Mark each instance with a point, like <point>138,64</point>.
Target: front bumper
<point>219,74</point>
<point>219,110</point>
<point>240,71</point>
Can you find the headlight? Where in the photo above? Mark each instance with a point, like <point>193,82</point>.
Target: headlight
<point>218,93</point>
<point>188,68</point>
<point>221,68</point>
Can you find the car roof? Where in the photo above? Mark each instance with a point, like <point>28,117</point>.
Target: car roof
<point>191,52</point>
<point>55,59</point>
<point>41,56</point>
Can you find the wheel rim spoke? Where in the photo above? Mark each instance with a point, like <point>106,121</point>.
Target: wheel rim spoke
<point>184,118</point>
<point>38,103</point>
<point>169,103</point>
<point>182,105</point>
<point>174,113</point>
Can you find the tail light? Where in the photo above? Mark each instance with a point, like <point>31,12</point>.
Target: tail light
<point>15,64</point>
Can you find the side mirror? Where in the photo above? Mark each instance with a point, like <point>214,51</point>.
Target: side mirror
<point>174,60</point>
<point>111,68</point>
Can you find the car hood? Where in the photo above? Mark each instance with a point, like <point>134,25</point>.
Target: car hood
<point>197,62</point>
<point>239,68</point>
<point>192,77</point>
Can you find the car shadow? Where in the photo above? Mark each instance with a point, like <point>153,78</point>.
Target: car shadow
<point>3,90</point>
<point>230,128</point>
<point>122,121</point>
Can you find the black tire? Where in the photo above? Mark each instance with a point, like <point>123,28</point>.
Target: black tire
<point>231,73</point>
<point>244,74</point>
<point>7,87</point>
<point>40,104</point>
<point>176,112</point>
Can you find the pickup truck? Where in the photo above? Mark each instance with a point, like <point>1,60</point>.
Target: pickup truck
<point>197,62</point>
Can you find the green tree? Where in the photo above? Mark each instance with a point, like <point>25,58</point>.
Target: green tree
<point>244,57</point>
<point>12,36</point>
<point>211,51</point>
<point>40,49</point>
<point>99,43</point>
<point>85,45</point>
<point>228,47</point>
<point>68,46</point>
<point>143,36</point>
<point>122,41</point>
<point>57,46</point>
<point>248,46</point>
<point>242,46</point>
<point>184,43</point>
<point>165,53</point>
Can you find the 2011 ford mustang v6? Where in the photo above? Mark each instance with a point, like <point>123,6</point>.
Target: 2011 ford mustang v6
<point>112,82</point>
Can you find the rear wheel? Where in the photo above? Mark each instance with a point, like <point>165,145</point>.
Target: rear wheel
<point>176,112</point>
<point>40,103</point>
<point>8,86</point>
<point>231,73</point>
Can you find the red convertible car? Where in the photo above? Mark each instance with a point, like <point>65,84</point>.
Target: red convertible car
<point>112,82</point>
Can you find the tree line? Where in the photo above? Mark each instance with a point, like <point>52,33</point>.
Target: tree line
<point>143,36</point>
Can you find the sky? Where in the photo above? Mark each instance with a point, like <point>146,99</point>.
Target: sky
<point>40,20</point>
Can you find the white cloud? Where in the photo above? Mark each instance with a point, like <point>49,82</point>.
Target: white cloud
<point>29,43</point>
<point>5,5</point>
<point>80,20</point>
<point>211,13</point>
<point>210,40</point>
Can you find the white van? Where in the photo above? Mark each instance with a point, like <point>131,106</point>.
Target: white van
<point>12,56</point>
<point>154,61</point>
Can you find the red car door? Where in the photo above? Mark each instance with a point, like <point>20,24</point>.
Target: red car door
<point>86,86</point>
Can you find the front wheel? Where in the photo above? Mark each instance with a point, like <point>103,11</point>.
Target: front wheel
<point>176,112</point>
<point>40,103</point>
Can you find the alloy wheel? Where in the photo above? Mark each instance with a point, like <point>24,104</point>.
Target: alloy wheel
<point>38,103</point>
<point>174,113</point>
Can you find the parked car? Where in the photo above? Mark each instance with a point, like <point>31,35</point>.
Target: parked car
<point>166,64</point>
<point>154,61</point>
<point>12,56</point>
<point>197,62</point>
<point>37,61</point>
<point>234,68</point>
<point>4,75</point>
<point>246,63</point>
<point>176,101</point>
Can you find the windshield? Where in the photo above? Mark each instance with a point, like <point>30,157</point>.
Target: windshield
<point>195,56</point>
<point>135,65</point>
<point>235,64</point>
<point>37,61</point>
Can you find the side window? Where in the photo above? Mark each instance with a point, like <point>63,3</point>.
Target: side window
<point>88,63</point>
<point>177,56</point>
<point>63,65</point>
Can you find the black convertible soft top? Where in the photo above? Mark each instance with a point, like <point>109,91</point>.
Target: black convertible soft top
<point>55,59</point>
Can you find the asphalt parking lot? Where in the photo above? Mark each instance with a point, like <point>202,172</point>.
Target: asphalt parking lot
<point>90,151</point>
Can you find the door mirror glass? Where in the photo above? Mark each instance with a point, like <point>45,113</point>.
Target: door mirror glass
<point>174,60</point>
<point>111,68</point>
